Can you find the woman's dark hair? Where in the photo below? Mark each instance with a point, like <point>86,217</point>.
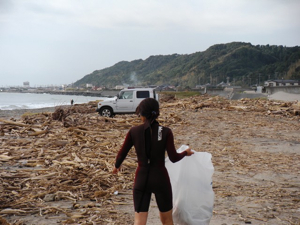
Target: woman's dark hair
<point>148,108</point>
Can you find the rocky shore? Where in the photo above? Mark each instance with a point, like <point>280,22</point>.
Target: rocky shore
<point>55,166</point>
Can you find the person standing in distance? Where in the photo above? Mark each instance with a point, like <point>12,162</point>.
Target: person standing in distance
<point>151,141</point>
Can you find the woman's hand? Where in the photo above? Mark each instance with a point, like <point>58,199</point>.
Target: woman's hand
<point>116,170</point>
<point>189,152</point>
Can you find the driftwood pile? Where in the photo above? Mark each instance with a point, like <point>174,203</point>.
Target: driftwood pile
<point>255,146</point>
<point>288,109</point>
<point>67,157</point>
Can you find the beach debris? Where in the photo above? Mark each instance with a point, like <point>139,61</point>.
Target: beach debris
<point>68,157</point>
<point>3,221</point>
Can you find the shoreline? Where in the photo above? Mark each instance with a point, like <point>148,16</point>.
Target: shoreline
<point>17,113</point>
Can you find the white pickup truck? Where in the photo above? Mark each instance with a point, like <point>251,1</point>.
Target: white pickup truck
<point>125,102</point>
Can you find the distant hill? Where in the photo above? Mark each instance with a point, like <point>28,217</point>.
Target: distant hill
<point>243,63</point>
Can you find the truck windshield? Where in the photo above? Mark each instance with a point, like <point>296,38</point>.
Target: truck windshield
<point>126,95</point>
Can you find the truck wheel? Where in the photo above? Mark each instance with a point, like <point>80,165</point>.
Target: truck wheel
<point>107,112</point>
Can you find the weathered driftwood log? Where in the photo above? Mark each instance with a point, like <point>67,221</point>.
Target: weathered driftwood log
<point>8,122</point>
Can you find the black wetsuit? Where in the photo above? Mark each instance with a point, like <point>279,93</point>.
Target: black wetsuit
<point>151,175</point>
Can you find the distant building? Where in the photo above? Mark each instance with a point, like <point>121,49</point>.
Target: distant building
<point>89,85</point>
<point>277,83</point>
<point>118,87</point>
<point>97,88</point>
<point>289,86</point>
<point>26,84</point>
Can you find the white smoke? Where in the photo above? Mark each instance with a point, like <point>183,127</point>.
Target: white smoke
<point>133,79</point>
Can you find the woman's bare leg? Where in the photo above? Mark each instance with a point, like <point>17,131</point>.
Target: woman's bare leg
<point>166,217</point>
<point>140,218</point>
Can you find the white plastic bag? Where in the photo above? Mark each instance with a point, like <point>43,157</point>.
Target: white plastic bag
<point>193,196</point>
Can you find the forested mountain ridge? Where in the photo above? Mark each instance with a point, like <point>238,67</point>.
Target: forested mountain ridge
<point>243,63</point>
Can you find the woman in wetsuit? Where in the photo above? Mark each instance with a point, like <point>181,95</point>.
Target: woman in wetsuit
<point>151,141</point>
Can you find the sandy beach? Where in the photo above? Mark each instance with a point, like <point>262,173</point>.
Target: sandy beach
<point>254,145</point>
<point>282,96</point>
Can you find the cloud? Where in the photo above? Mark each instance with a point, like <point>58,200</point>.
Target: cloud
<point>199,16</point>
<point>6,6</point>
<point>66,39</point>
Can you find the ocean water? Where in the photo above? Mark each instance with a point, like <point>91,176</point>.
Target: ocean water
<point>11,101</point>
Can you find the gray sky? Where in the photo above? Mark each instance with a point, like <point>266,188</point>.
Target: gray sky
<point>54,42</point>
